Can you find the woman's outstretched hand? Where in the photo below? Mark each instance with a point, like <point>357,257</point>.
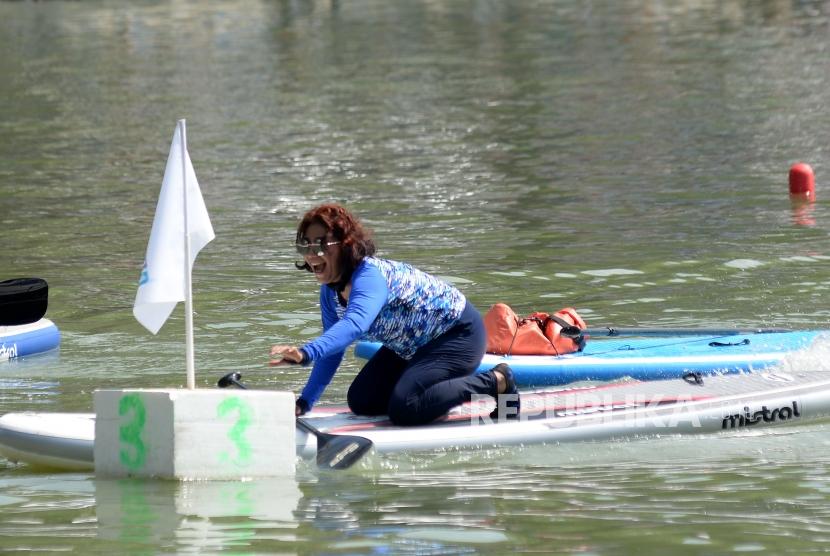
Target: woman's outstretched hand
<point>285,355</point>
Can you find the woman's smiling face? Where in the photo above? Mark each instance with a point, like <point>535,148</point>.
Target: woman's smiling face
<point>326,267</point>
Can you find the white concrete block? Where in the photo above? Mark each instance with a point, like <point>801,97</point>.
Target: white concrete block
<point>194,434</point>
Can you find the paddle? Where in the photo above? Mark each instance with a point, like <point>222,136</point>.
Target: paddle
<point>334,451</point>
<point>612,331</point>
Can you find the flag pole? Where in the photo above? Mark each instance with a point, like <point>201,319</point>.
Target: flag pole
<point>188,285</point>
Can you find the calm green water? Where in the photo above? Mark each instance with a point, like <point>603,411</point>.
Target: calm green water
<point>628,158</point>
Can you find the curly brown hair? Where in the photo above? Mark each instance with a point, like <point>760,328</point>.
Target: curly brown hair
<point>356,241</point>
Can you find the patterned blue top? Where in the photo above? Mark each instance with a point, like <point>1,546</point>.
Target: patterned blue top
<point>390,302</point>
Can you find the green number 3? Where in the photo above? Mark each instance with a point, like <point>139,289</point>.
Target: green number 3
<point>238,431</point>
<point>130,433</point>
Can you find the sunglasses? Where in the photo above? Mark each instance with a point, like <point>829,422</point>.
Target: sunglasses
<point>319,247</point>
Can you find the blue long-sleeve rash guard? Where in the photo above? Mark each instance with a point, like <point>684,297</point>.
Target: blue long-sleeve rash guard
<point>390,302</point>
<point>366,299</point>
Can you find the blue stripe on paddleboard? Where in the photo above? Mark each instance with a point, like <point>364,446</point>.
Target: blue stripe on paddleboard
<point>29,342</point>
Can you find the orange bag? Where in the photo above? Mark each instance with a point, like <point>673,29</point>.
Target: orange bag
<point>536,334</point>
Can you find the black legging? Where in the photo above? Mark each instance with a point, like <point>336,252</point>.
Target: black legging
<point>440,376</point>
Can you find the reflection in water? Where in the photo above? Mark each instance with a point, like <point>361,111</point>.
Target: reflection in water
<point>199,515</point>
<point>23,393</point>
<point>392,511</point>
<point>803,211</point>
<point>774,485</point>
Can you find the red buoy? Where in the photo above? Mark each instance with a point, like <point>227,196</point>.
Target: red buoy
<point>802,181</point>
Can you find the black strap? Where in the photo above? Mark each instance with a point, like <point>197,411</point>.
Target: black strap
<point>575,333</point>
<point>693,377</point>
<point>516,333</point>
<point>744,342</point>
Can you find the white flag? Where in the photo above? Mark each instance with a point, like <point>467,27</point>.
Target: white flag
<point>162,281</point>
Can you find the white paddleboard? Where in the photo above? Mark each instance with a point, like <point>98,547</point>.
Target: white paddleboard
<point>719,404</point>
<point>55,440</point>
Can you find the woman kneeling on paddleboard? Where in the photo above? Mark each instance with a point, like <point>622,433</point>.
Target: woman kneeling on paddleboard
<point>433,338</point>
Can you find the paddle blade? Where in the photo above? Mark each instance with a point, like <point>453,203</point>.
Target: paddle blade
<point>340,451</point>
